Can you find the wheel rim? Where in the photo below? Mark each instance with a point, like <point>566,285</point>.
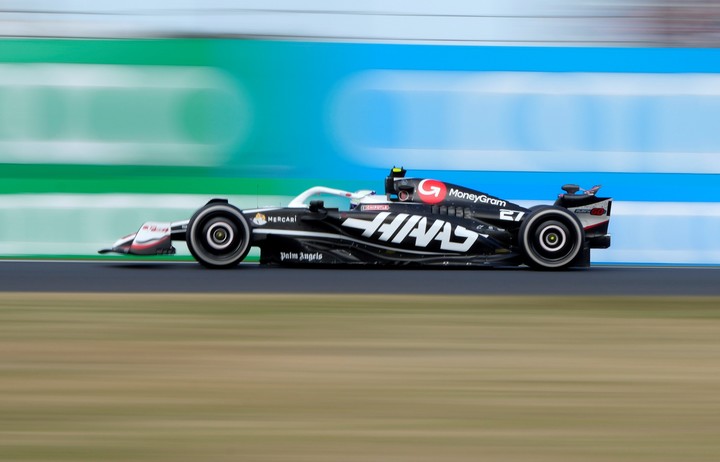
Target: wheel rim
<point>552,238</point>
<point>220,235</point>
<point>551,241</point>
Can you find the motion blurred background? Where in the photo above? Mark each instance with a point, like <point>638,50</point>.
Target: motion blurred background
<point>115,113</point>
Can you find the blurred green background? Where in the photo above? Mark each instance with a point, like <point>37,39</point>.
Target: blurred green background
<point>98,136</point>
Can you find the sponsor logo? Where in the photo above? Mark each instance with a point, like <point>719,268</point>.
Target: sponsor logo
<point>476,198</point>
<point>415,230</point>
<point>259,219</point>
<point>597,211</point>
<point>155,228</point>
<point>431,191</point>
<point>282,219</point>
<point>301,256</point>
<point>374,207</point>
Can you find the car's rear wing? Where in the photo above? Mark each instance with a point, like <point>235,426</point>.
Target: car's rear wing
<point>593,212</point>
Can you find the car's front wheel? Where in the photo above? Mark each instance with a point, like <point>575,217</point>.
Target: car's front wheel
<point>218,235</point>
<point>551,238</point>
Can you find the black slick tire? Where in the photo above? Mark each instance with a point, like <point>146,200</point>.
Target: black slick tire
<point>218,235</point>
<point>551,238</point>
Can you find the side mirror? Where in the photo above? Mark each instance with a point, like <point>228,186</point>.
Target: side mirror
<point>317,206</point>
<point>571,188</point>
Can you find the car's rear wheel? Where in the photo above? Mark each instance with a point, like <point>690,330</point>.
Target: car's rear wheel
<point>218,235</point>
<point>551,238</point>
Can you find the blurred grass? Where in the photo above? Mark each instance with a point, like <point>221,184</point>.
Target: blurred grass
<point>358,378</point>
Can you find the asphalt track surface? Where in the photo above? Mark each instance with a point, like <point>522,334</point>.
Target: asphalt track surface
<point>188,277</point>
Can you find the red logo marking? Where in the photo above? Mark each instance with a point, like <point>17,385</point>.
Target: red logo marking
<point>432,191</point>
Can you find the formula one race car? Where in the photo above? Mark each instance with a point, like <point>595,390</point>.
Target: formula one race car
<point>417,221</point>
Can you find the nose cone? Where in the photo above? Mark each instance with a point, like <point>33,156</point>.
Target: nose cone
<point>152,239</point>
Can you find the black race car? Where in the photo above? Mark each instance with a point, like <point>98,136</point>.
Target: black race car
<point>418,221</point>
